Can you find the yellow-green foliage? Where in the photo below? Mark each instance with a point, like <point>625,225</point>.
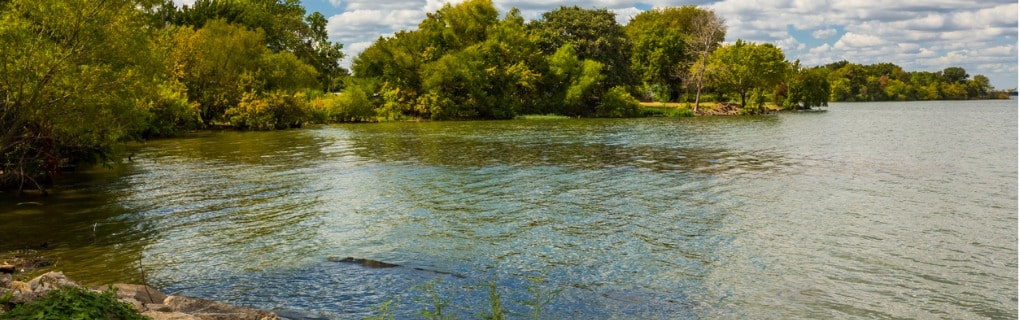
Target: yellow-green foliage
<point>352,105</point>
<point>269,111</point>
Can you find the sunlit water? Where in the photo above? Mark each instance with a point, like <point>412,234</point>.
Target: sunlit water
<point>884,210</point>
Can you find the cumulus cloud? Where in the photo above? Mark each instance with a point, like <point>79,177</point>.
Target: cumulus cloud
<point>824,33</point>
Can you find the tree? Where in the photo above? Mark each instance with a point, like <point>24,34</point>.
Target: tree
<point>979,87</point>
<point>743,67</point>
<point>709,31</point>
<point>594,34</point>
<point>808,88</point>
<point>574,80</point>
<point>284,27</point>
<point>954,75</point>
<point>73,76</point>
<point>666,42</point>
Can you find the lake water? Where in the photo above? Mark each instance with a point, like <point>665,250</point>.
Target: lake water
<point>877,210</point>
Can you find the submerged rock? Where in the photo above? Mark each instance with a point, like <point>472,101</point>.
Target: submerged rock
<point>379,264</point>
<point>365,262</point>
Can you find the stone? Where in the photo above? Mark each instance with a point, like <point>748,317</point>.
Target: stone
<point>141,293</point>
<point>19,286</point>
<point>212,310</point>
<point>365,262</point>
<point>159,307</point>
<point>168,315</point>
<point>49,281</point>
<point>5,280</point>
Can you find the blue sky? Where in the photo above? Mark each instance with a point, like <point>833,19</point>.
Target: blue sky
<point>921,35</point>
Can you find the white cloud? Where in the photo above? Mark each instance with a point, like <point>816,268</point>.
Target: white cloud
<point>855,40</point>
<point>824,33</point>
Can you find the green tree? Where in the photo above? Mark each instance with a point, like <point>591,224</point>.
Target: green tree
<point>979,87</point>
<point>809,87</point>
<point>73,78</point>
<point>745,67</point>
<point>284,26</point>
<point>594,34</point>
<point>954,75</point>
<point>666,42</point>
<point>575,80</point>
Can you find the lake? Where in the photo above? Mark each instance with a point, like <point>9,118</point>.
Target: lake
<point>869,210</point>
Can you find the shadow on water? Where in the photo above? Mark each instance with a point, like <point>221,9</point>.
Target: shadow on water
<point>81,227</point>
<point>591,144</point>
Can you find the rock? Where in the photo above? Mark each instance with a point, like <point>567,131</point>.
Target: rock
<point>365,262</point>
<point>141,293</point>
<point>159,307</point>
<point>49,281</point>
<point>212,310</point>
<point>22,292</point>
<point>168,315</point>
<point>22,287</point>
<point>5,280</point>
<point>7,268</point>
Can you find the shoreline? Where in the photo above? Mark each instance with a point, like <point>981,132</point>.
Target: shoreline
<point>145,300</point>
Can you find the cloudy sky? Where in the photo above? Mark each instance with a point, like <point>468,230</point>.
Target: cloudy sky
<point>928,35</point>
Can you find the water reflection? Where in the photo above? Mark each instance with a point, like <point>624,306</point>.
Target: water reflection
<point>81,227</point>
<point>605,145</point>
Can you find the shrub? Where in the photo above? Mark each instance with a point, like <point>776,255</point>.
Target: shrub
<point>71,302</point>
<point>618,103</point>
<point>273,111</point>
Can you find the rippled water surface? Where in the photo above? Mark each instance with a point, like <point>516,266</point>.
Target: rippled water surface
<point>884,210</point>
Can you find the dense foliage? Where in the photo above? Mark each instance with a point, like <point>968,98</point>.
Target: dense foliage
<point>78,77</point>
<point>70,302</point>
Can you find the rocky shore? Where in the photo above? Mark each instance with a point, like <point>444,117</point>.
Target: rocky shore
<point>146,300</point>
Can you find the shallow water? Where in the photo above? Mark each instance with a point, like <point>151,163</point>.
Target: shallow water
<point>877,210</point>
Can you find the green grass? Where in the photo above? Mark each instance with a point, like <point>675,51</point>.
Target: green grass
<point>542,117</point>
<point>672,110</point>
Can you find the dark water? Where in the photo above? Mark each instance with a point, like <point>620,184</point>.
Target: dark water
<point>885,210</point>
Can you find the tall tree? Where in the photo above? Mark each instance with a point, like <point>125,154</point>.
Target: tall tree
<point>666,42</point>
<point>709,31</point>
<point>594,34</point>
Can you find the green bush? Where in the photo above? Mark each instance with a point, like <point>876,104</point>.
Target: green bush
<point>351,105</point>
<point>618,103</point>
<point>276,110</point>
<point>74,303</point>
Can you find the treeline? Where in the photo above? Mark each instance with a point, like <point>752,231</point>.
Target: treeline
<point>889,82</point>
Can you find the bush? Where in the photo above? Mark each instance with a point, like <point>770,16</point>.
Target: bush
<point>74,303</point>
<point>273,111</point>
<point>351,105</point>
<point>170,111</point>
<point>618,103</point>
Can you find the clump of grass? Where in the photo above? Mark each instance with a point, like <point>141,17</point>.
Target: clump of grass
<point>386,311</point>
<point>550,116</point>
<point>435,300</point>
<point>71,302</point>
